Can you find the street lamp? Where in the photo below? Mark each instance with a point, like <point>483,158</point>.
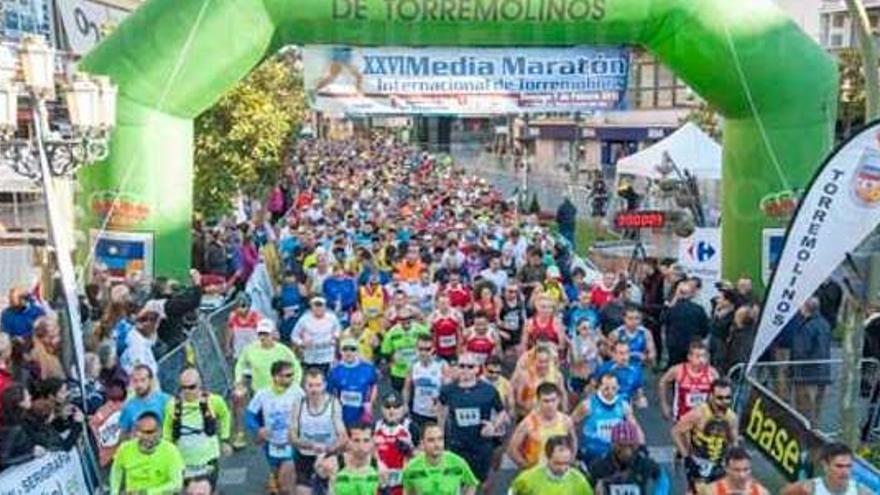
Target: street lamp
<point>28,70</point>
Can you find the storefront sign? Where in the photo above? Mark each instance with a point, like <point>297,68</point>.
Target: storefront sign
<point>124,210</point>
<point>640,220</point>
<point>474,81</point>
<point>56,473</point>
<point>124,254</point>
<point>86,22</point>
<point>778,434</point>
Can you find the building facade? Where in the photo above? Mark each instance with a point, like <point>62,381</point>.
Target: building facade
<point>836,28</point>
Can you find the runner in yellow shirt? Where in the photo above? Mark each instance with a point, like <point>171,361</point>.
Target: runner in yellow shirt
<point>147,464</point>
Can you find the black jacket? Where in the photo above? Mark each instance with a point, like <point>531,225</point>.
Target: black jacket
<point>16,445</point>
<point>685,321</point>
<point>171,329</point>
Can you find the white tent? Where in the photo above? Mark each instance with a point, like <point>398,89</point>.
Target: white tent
<point>689,147</point>
<point>12,182</point>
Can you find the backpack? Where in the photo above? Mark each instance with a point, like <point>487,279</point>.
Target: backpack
<point>209,421</point>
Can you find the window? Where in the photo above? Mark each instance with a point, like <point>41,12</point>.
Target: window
<point>835,41</point>
<point>838,20</point>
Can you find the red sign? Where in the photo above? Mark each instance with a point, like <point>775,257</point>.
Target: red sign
<point>640,220</point>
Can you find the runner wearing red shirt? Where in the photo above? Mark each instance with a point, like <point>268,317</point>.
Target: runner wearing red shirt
<point>481,340</point>
<point>692,382</point>
<point>459,295</point>
<point>395,439</point>
<point>602,291</point>
<point>241,327</point>
<point>545,325</point>
<point>446,326</point>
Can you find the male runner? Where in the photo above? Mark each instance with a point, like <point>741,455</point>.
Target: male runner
<point>629,377</point>
<point>555,477</point>
<point>423,382</point>
<point>353,382</point>
<point>703,436</point>
<point>268,416</point>
<point>435,470</point>
<point>600,413</point>
<point>692,382</point>
<point>315,335</point>
<point>395,436</point>
<point>147,463</point>
<point>526,448</point>
<point>837,462</point>
<point>641,344</point>
<point>399,346</point>
<point>737,479</point>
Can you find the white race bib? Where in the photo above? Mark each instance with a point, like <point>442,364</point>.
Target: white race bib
<point>351,398</point>
<point>447,341</point>
<point>395,477</point>
<point>277,451</point>
<point>627,489</point>
<point>407,355</point>
<point>604,428</point>
<point>696,399</point>
<point>467,416</point>
<point>319,353</point>
<point>109,433</point>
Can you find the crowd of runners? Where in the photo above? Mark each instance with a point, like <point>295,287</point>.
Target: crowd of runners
<point>421,332</point>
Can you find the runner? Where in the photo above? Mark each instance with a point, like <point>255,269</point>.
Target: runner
<point>437,471</point>
<point>372,302</point>
<point>460,297</point>
<point>395,436</point>
<point>268,416</point>
<point>315,335</point>
<point>641,343</point>
<point>481,339</point>
<point>446,327</point>
<point>316,428</point>
<point>512,319</point>
<point>145,398</point>
<point>628,468</point>
<point>529,376</point>
<point>399,346</point>
<point>487,302</point>
<point>358,474</point>
<point>600,412</point>
<point>241,329</point>
<point>556,476</point>
<point>473,415</point>
<point>738,476</point>
<point>692,382</point>
<point>545,325</point>
<point>253,373</point>
<point>526,448</point>
<point>704,434</point>
<point>354,382</point>
<point>147,463</point>
<point>629,376</point>
<point>586,344</point>
<point>837,463</point>
<point>199,424</point>
<point>423,382</point>
<point>367,341</point>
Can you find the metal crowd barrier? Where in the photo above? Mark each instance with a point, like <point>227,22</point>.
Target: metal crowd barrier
<point>785,380</point>
<point>203,349</point>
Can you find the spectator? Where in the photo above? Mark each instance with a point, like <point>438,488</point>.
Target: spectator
<point>745,291</point>
<point>19,317</point>
<point>93,388</point>
<point>47,348</point>
<point>685,321</point>
<point>566,217</point>
<point>110,368</point>
<point>830,297</point>
<point>139,344</point>
<point>53,422</point>
<point>16,444</point>
<point>719,326</point>
<point>216,259</point>
<point>173,308</point>
<point>742,338</point>
<point>6,379</point>
<point>813,343</point>
<point>115,324</point>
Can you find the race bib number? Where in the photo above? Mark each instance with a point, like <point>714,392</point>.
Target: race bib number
<point>604,428</point>
<point>109,433</point>
<point>628,489</point>
<point>407,355</point>
<point>695,399</point>
<point>290,312</point>
<point>196,471</point>
<point>372,313</point>
<point>395,477</point>
<point>446,341</point>
<point>469,416</point>
<point>319,353</point>
<point>423,402</point>
<point>351,399</point>
<point>704,466</point>
<point>280,451</point>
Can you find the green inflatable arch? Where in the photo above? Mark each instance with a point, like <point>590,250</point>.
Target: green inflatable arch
<point>173,59</point>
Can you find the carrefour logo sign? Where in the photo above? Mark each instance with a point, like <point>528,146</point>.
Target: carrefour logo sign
<point>701,251</point>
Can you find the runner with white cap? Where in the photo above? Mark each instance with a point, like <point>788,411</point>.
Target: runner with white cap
<point>315,335</point>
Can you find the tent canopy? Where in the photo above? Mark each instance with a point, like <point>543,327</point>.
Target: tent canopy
<point>689,147</point>
<point>12,182</point>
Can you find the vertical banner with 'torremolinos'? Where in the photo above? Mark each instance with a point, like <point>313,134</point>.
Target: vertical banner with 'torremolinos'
<point>840,208</point>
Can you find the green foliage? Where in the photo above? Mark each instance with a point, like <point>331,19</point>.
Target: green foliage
<point>852,96</point>
<point>706,118</point>
<point>241,141</point>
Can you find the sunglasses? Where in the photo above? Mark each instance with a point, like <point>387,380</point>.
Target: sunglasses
<point>189,387</point>
<point>286,375</point>
<point>349,348</point>
<point>723,398</point>
<point>148,432</point>
<point>467,366</point>
<point>425,349</point>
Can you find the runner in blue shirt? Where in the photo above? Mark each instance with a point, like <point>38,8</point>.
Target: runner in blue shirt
<point>353,381</point>
<point>629,377</point>
<point>641,344</point>
<point>145,398</point>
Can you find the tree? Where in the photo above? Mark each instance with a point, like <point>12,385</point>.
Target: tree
<point>852,97</point>
<point>240,142</point>
<point>706,118</point>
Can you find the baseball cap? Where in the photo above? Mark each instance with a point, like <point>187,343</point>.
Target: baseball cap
<point>625,433</point>
<point>469,358</point>
<point>265,326</point>
<point>348,342</point>
<point>318,300</point>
